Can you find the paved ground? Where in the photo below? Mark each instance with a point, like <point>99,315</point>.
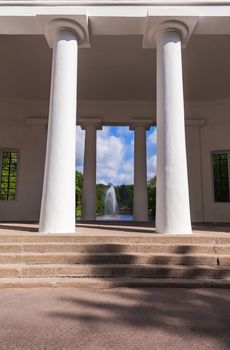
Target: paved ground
<point>114,319</point>
<point>111,228</point>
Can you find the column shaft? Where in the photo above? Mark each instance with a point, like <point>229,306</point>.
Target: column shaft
<point>58,197</point>
<point>140,198</point>
<point>89,175</point>
<point>173,211</point>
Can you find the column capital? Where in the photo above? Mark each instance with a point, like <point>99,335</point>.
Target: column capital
<point>147,123</point>
<point>184,26</point>
<point>84,123</point>
<point>78,25</point>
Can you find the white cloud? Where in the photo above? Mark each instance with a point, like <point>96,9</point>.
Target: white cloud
<point>80,146</point>
<point>115,155</point>
<point>110,154</point>
<point>151,153</point>
<point>151,166</point>
<point>152,137</point>
<point>122,130</point>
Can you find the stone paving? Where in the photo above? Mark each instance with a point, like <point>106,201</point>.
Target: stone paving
<point>122,228</point>
<point>119,318</point>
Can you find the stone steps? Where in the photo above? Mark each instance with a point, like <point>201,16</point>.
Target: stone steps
<point>126,239</point>
<point>104,283</point>
<point>115,258</point>
<point>30,260</point>
<point>166,248</point>
<point>114,270</point>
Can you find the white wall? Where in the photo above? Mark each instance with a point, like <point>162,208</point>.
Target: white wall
<point>201,142</point>
<point>194,172</point>
<point>214,138</point>
<point>29,139</point>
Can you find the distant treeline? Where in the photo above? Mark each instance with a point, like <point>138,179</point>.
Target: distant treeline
<point>124,194</point>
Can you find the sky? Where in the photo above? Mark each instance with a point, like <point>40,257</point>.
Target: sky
<point>115,154</point>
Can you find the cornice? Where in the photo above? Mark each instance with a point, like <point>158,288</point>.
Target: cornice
<point>113,3</point>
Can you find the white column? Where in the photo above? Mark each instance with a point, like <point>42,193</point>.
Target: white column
<point>58,197</point>
<point>173,211</point>
<point>140,196</point>
<point>89,174</point>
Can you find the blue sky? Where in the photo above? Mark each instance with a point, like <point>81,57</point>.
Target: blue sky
<point>115,154</point>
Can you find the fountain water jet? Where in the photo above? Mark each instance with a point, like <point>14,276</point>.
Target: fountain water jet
<point>110,201</point>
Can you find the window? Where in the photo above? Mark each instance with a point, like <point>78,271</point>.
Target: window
<point>220,176</point>
<point>9,161</point>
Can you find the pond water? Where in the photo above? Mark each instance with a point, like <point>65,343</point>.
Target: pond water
<point>118,217</point>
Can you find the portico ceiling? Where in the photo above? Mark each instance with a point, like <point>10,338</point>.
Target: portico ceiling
<point>115,68</point>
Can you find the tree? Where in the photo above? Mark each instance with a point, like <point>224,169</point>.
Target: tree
<point>78,187</point>
<point>100,196</point>
<point>152,196</point>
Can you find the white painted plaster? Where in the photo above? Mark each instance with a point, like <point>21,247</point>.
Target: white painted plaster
<point>29,141</point>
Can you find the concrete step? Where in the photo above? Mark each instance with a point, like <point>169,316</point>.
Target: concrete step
<point>57,247</point>
<point>151,238</point>
<point>115,270</point>
<point>115,258</point>
<point>104,283</point>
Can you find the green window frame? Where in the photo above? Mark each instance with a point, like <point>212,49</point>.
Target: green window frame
<point>220,168</point>
<point>9,166</point>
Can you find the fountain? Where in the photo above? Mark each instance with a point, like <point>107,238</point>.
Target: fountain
<point>110,201</point>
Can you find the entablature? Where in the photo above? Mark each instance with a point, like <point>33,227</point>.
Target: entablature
<point>115,17</point>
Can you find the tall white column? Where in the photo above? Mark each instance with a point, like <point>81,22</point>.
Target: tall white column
<point>89,174</point>
<point>140,196</point>
<point>172,207</point>
<point>58,197</point>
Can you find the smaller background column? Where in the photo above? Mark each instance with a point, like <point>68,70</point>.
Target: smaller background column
<point>140,195</point>
<point>89,173</point>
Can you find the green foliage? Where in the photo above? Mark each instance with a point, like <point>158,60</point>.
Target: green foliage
<point>100,196</point>
<point>152,196</point>
<point>78,187</point>
<point>152,201</point>
<point>152,182</point>
<point>124,194</point>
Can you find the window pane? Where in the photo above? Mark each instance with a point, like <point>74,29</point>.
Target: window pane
<point>4,185</point>
<point>12,185</point>
<point>11,190</point>
<point>8,176</point>
<point>4,191</point>
<point>11,197</point>
<point>220,177</point>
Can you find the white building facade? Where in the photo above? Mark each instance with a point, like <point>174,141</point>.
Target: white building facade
<point>131,63</point>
